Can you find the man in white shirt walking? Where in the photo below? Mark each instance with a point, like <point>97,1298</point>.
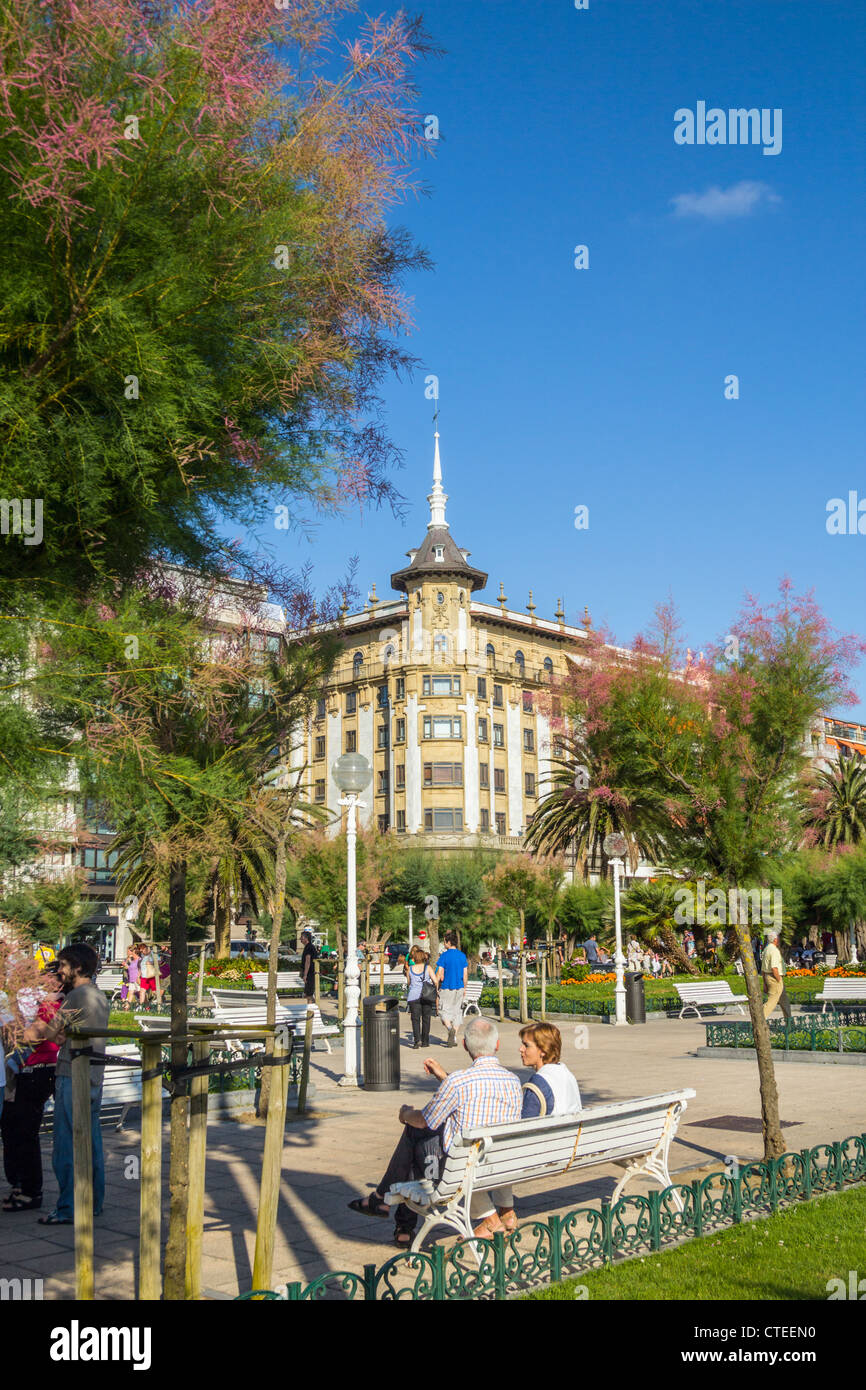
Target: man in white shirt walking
<point>773,973</point>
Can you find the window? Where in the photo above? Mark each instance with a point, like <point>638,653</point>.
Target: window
<point>500,822</point>
<point>357,663</point>
<point>498,735</point>
<point>382,782</point>
<point>439,552</point>
<point>485,775</point>
<point>320,746</point>
<point>440,597</point>
<point>499,779</point>
<point>491,651</point>
<point>320,789</point>
<point>382,736</point>
<point>558,747</point>
<point>382,697</point>
<point>320,707</point>
<point>400,688</point>
<point>440,685</point>
<point>485,821</point>
<point>482,687</point>
<point>443,775</point>
<point>529,783</point>
<point>548,665</point>
<point>497,696</point>
<point>440,819</point>
<point>528,741</point>
<point>400,734</point>
<point>400,776</point>
<point>519,659</point>
<point>351,701</point>
<point>351,741</point>
<point>99,864</point>
<point>401,822</point>
<point>527,702</point>
<point>555,707</point>
<point>383,823</point>
<point>482,731</point>
<point>436,727</point>
<point>440,643</point>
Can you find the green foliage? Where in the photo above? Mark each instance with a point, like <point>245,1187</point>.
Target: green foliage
<point>836,811</point>
<point>47,910</point>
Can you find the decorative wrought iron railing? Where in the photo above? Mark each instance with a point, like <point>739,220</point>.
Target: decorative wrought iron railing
<point>844,1031</point>
<point>544,1252</point>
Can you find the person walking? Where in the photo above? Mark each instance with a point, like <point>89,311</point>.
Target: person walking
<point>773,972</point>
<point>309,956</point>
<point>452,972</point>
<point>421,995</point>
<point>31,1084</point>
<point>84,1006</point>
<point>130,974</point>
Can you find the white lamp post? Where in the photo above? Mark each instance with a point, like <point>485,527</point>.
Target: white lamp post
<point>616,845</point>
<point>410,909</point>
<point>352,773</point>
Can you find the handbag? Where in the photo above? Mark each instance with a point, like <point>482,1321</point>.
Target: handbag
<point>429,992</point>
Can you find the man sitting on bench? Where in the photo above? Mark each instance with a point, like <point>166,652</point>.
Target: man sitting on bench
<point>484,1094</point>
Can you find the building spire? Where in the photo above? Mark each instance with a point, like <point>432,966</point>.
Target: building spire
<point>437,498</point>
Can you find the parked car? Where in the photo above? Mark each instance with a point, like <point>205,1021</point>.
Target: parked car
<point>394,950</point>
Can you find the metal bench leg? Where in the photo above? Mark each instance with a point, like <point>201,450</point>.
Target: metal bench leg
<point>655,1164</point>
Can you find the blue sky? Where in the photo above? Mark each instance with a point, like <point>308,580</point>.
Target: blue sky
<point>605,387</point>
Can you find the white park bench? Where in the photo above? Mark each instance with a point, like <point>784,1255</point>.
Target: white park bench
<point>110,982</point>
<point>841,990</point>
<point>392,977</point>
<point>491,973</point>
<point>635,1134</point>
<point>121,1086</point>
<point>715,992</point>
<point>236,998</point>
<point>286,979</point>
<point>471,996</point>
<point>295,1015</point>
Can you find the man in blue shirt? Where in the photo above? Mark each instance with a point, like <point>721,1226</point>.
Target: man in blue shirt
<point>452,969</point>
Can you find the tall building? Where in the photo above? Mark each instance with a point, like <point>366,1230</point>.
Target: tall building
<point>446,696</point>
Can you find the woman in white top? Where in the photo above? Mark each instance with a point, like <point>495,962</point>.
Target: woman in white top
<point>552,1090</point>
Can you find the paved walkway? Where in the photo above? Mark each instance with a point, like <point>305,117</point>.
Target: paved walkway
<point>340,1150</point>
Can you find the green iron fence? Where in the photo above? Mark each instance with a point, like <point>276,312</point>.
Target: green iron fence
<point>543,1252</point>
<point>845,1031</point>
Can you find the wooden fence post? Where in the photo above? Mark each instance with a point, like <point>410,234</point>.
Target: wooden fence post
<point>197,1159</point>
<point>305,1064</point>
<point>269,1194</point>
<point>524,1014</point>
<point>317,983</point>
<point>150,1213</point>
<point>82,1158</point>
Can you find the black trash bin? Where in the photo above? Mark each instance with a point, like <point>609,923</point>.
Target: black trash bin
<point>381,1061</point>
<point>635,1000</point>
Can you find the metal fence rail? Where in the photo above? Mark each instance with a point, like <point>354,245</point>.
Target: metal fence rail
<point>845,1031</point>
<point>539,1253</point>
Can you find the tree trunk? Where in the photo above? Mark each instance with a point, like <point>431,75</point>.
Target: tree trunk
<point>223,927</point>
<point>178,1173</point>
<point>774,1143</point>
<point>276,907</point>
<point>669,937</point>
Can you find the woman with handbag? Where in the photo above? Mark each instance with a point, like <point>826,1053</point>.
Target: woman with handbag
<point>421,995</point>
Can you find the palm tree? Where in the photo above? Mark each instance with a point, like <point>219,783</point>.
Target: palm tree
<point>842,894</point>
<point>580,809</point>
<point>836,812</point>
<point>648,910</point>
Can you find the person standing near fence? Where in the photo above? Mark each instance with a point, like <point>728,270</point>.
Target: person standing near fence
<point>32,1084</point>
<point>421,995</point>
<point>452,972</point>
<point>85,1006</point>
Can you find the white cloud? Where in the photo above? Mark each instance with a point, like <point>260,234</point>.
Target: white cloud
<point>716,204</point>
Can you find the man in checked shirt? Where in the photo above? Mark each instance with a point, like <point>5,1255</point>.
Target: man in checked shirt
<point>486,1093</point>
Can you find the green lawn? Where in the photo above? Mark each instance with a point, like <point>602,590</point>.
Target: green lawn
<point>798,989</point>
<point>792,1255</point>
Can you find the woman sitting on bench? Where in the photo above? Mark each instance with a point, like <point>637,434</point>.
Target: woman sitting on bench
<point>553,1090</point>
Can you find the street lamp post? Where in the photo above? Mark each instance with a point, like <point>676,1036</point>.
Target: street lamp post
<point>352,774</point>
<point>411,908</point>
<point>616,845</point>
